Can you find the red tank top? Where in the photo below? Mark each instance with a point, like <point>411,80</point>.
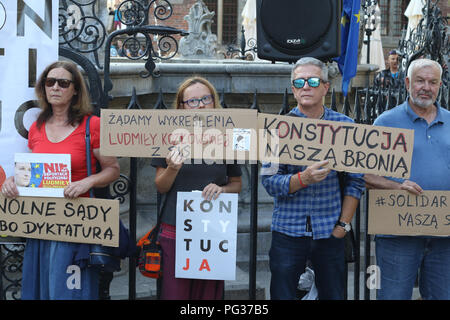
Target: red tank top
<point>74,145</point>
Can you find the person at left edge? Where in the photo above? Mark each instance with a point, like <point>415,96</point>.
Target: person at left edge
<point>309,219</point>
<point>60,128</point>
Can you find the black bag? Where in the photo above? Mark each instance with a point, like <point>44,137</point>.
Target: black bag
<point>107,259</point>
<point>349,238</point>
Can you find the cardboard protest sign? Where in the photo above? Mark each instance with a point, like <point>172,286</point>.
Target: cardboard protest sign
<point>348,146</point>
<point>212,134</point>
<point>398,212</point>
<point>42,174</point>
<point>83,220</point>
<point>206,236</point>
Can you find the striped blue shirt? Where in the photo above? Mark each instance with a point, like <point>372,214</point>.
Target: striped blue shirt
<point>320,201</point>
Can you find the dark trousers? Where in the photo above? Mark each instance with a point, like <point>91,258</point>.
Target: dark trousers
<point>288,256</point>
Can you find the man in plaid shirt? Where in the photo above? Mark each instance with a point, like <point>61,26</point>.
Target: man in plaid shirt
<point>309,221</point>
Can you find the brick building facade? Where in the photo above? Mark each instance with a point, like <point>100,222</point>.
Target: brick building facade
<point>231,16</point>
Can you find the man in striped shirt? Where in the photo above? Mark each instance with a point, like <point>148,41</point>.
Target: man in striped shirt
<point>309,219</point>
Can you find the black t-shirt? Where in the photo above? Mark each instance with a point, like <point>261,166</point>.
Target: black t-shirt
<point>194,177</point>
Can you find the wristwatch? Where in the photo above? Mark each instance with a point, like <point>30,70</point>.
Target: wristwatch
<point>347,226</point>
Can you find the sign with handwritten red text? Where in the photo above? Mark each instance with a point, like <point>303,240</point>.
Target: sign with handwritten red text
<point>210,134</point>
<point>347,146</point>
<point>206,236</point>
<point>398,212</point>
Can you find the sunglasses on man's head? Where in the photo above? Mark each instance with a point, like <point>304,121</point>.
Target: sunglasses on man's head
<point>313,82</point>
<point>63,83</point>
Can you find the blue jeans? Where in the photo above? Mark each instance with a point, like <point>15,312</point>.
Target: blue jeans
<point>399,260</point>
<point>288,257</point>
<point>49,273</point>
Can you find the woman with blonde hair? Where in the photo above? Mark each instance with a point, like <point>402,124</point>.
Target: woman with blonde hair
<point>173,175</point>
<point>197,81</point>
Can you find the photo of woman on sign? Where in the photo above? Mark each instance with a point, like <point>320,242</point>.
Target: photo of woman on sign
<point>173,175</point>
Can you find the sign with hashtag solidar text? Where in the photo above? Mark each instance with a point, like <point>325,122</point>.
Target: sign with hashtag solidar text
<point>398,212</point>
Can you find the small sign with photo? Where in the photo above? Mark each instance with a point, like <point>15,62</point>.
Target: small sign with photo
<point>42,174</point>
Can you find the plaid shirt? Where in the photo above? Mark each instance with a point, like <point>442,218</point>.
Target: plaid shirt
<point>320,201</point>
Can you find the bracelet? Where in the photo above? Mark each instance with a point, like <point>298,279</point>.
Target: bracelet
<point>300,180</point>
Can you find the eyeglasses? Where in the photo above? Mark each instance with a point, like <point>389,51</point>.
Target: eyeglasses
<point>313,82</point>
<point>194,103</point>
<point>63,83</point>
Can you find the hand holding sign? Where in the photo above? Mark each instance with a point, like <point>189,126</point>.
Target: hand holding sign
<point>175,159</point>
<point>212,191</point>
<point>411,186</point>
<point>315,173</point>
<point>77,188</point>
<point>9,188</point>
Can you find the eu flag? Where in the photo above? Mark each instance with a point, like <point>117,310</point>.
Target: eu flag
<point>37,173</point>
<point>347,62</point>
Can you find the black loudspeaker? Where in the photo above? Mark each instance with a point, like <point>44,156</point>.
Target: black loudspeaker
<point>290,29</point>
